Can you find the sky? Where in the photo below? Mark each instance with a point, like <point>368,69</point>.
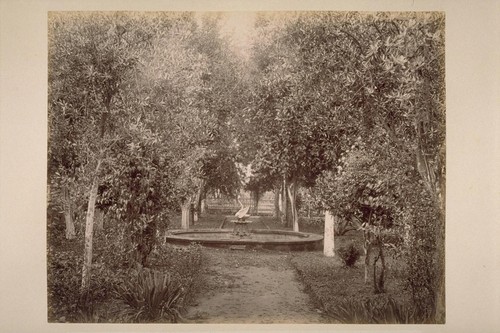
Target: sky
<point>238,26</point>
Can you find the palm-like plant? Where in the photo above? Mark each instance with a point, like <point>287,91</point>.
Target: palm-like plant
<point>150,296</point>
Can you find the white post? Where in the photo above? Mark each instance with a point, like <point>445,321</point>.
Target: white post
<point>328,240</point>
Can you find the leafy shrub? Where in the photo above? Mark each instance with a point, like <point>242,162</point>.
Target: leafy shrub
<point>66,302</point>
<point>349,254</point>
<point>63,284</point>
<point>375,311</point>
<point>149,296</point>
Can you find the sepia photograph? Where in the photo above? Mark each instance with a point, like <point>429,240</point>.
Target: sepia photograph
<point>249,166</point>
<point>246,167</point>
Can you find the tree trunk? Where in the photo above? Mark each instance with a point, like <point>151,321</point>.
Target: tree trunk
<point>186,211</point>
<point>284,210</point>
<point>277,199</point>
<point>99,219</point>
<point>89,228</point>
<point>197,203</point>
<point>440,314</point>
<point>379,281</point>
<point>68,215</point>
<point>292,194</point>
<point>381,278</point>
<point>203,206</point>
<point>329,238</point>
<point>256,198</point>
<point>367,249</point>
<point>433,177</point>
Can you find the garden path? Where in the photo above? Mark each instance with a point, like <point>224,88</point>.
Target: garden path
<point>252,287</point>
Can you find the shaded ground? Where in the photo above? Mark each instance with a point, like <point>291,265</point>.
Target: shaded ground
<point>276,287</point>
<point>252,287</point>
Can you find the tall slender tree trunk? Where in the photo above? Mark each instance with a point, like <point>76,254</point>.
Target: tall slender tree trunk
<point>292,194</point>
<point>203,206</point>
<point>277,211</point>
<point>329,237</point>
<point>68,214</point>
<point>379,281</point>
<point>89,230</point>
<point>186,212</point>
<point>197,203</point>
<point>285,216</point>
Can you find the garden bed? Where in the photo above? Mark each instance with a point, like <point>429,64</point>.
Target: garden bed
<point>330,284</point>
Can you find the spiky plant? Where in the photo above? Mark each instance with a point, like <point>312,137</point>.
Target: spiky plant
<point>150,296</point>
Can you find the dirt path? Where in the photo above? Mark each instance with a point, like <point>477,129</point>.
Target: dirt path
<point>252,287</point>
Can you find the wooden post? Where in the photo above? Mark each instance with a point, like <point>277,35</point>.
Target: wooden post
<point>328,240</point>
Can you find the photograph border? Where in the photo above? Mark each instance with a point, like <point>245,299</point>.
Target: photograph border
<point>472,187</point>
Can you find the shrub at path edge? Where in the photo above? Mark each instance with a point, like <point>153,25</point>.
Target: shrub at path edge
<point>349,254</point>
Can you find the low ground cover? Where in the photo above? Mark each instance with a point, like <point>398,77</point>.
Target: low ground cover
<point>121,293</point>
<point>341,292</point>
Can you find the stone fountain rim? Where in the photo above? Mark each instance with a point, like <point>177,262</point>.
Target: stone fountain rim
<point>179,235</point>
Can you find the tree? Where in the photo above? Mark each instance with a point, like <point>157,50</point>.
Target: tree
<point>223,94</point>
<point>90,48</point>
<point>388,77</point>
<point>93,74</point>
<point>293,141</point>
<point>331,79</point>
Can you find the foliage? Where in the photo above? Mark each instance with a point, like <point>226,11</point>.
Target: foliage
<point>149,295</point>
<point>64,279</point>
<point>183,263</point>
<point>136,91</point>
<point>350,105</point>
<point>371,311</point>
<point>349,254</point>
<point>382,172</point>
<point>138,195</point>
<point>161,292</point>
<point>66,303</point>
<point>329,285</point>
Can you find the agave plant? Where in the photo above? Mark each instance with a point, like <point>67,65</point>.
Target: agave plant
<point>150,296</point>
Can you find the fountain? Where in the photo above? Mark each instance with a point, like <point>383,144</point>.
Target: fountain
<point>241,224</point>
<point>280,240</point>
<point>241,237</point>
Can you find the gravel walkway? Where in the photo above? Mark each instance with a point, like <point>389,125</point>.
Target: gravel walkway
<point>252,287</point>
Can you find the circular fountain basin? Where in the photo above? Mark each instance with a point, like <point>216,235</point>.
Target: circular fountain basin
<point>280,240</point>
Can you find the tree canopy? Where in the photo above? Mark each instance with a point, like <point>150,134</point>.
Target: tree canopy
<point>147,112</point>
